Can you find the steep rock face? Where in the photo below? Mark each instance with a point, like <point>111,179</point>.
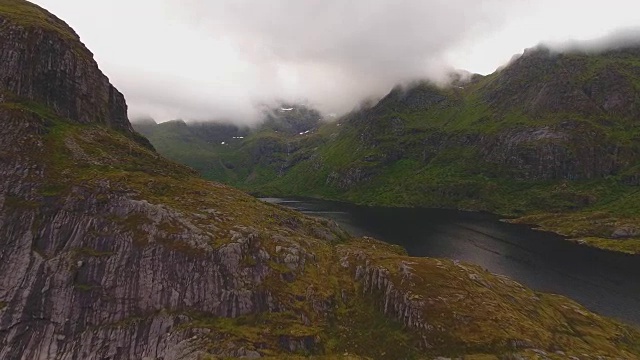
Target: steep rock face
<point>434,309</point>
<point>349,178</point>
<point>49,65</point>
<point>542,81</point>
<point>563,105</point>
<point>570,151</point>
<point>108,251</point>
<point>92,269</point>
<point>538,82</point>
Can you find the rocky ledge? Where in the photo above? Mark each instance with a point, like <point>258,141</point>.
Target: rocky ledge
<point>109,251</point>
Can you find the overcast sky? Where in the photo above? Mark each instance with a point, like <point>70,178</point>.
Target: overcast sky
<point>208,59</point>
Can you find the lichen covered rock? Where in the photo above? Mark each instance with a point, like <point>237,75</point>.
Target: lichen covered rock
<point>109,251</point>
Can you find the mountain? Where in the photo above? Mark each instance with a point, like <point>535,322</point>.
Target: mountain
<point>552,137</point>
<point>212,147</point>
<point>196,145</point>
<point>291,119</point>
<point>110,251</point>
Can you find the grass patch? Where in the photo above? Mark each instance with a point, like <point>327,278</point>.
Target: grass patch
<point>85,287</point>
<point>20,203</point>
<point>91,252</point>
<point>629,246</point>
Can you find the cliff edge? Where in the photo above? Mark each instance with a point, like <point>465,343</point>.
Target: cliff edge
<point>109,251</point>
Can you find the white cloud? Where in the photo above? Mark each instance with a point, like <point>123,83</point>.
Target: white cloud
<point>199,59</point>
<point>544,21</point>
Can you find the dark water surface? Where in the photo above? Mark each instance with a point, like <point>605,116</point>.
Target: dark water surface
<point>607,283</point>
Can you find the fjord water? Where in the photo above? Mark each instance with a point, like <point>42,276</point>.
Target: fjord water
<point>605,282</point>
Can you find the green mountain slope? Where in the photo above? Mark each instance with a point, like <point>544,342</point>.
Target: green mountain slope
<point>110,251</point>
<point>550,133</point>
<point>212,147</point>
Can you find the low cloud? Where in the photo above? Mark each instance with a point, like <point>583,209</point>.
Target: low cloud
<point>616,40</point>
<point>332,53</point>
<point>206,60</point>
<point>619,39</point>
<point>203,60</point>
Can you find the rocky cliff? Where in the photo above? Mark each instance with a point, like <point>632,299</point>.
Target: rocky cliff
<point>109,251</point>
<point>52,68</point>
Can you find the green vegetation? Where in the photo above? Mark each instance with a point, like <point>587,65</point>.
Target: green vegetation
<point>362,329</point>
<point>497,144</point>
<point>19,203</point>
<point>466,303</point>
<point>3,305</point>
<point>90,252</point>
<point>183,144</point>
<point>312,289</point>
<point>594,228</point>
<point>321,304</point>
<point>84,287</point>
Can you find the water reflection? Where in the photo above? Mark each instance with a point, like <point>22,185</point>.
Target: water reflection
<point>603,281</point>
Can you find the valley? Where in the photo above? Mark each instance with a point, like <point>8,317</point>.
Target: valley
<point>551,139</point>
<point>110,250</point>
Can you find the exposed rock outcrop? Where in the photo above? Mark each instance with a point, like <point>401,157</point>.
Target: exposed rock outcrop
<point>95,270</point>
<point>48,65</point>
<point>427,297</point>
<point>108,251</point>
<point>92,268</point>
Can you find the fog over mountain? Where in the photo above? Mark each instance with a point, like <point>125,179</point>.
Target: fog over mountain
<point>618,39</point>
<point>200,60</point>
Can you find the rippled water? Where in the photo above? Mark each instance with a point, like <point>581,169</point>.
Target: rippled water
<point>607,283</point>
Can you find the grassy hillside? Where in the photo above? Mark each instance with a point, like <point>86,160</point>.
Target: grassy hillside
<point>354,296</point>
<point>551,133</point>
<point>111,251</point>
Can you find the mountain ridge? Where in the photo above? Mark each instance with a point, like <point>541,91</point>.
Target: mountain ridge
<point>110,251</point>
<point>552,132</point>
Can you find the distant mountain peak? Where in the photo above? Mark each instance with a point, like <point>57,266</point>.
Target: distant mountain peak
<point>144,121</point>
<point>291,118</point>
